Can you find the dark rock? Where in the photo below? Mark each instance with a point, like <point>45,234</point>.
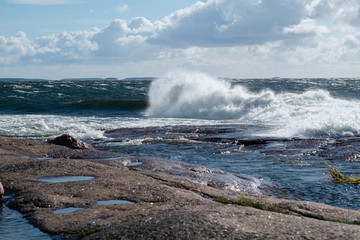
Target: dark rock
<point>70,142</point>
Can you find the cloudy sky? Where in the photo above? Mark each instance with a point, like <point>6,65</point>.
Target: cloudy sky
<point>137,38</point>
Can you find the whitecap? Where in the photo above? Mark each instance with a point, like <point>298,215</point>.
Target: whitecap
<point>313,113</point>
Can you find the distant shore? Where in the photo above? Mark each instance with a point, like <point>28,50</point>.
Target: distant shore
<point>157,206</point>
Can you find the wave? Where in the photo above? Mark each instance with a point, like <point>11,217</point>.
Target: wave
<point>313,113</point>
<point>83,127</point>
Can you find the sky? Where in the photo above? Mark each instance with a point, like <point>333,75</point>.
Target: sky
<point>56,39</point>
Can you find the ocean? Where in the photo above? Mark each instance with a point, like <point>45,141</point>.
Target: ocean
<point>279,130</point>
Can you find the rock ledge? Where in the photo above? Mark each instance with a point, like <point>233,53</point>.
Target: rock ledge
<point>165,207</point>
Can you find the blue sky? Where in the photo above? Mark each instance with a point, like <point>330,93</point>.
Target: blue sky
<point>41,17</point>
<point>230,38</point>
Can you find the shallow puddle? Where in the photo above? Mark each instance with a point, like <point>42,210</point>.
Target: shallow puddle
<point>62,179</point>
<point>114,202</point>
<point>134,164</point>
<point>112,158</point>
<point>29,156</point>
<point>66,210</point>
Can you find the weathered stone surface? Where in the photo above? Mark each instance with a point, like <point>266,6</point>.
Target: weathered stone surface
<point>165,207</point>
<point>70,142</point>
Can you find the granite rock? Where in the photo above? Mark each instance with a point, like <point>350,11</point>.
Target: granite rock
<point>165,207</point>
<point>70,142</point>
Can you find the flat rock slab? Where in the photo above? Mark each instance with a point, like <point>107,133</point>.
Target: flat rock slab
<point>165,207</point>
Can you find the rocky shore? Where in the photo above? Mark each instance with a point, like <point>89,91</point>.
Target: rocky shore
<point>158,206</point>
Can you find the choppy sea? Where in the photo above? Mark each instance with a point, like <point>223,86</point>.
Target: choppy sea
<point>279,130</point>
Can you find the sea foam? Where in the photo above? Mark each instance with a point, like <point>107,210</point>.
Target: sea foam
<point>313,113</point>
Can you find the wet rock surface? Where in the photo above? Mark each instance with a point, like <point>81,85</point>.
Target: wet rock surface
<point>200,174</point>
<point>345,149</point>
<point>70,142</point>
<point>165,207</point>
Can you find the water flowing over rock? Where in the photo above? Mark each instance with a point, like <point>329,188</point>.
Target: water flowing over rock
<point>200,174</point>
<point>70,142</point>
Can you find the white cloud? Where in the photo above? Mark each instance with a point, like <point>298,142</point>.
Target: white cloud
<point>125,39</point>
<point>229,23</point>
<point>320,8</point>
<point>306,26</point>
<point>14,48</point>
<point>340,12</point>
<point>121,8</point>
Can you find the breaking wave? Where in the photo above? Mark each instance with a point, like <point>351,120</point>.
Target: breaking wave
<point>313,113</point>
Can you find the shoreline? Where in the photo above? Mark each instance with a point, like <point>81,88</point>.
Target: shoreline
<point>163,206</point>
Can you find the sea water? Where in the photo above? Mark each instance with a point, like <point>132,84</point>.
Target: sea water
<point>294,125</point>
<point>13,225</point>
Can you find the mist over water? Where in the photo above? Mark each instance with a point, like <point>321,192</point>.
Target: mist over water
<point>310,113</point>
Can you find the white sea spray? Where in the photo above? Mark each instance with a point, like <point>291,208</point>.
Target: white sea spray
<point>312,113</point>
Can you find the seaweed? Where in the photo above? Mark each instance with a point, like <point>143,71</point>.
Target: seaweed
<point>339,177</point>
<point>344,220</point>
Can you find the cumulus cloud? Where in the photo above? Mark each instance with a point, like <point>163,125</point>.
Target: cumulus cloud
<point>339,12</point>
<point>125,39</point>
<point>320,8</point>
<point>306,26</point>
<point>229,23</point>
<point>15,47</point>
<point>61,47</point>
<point>293,29</point>
<point>120,41</point>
